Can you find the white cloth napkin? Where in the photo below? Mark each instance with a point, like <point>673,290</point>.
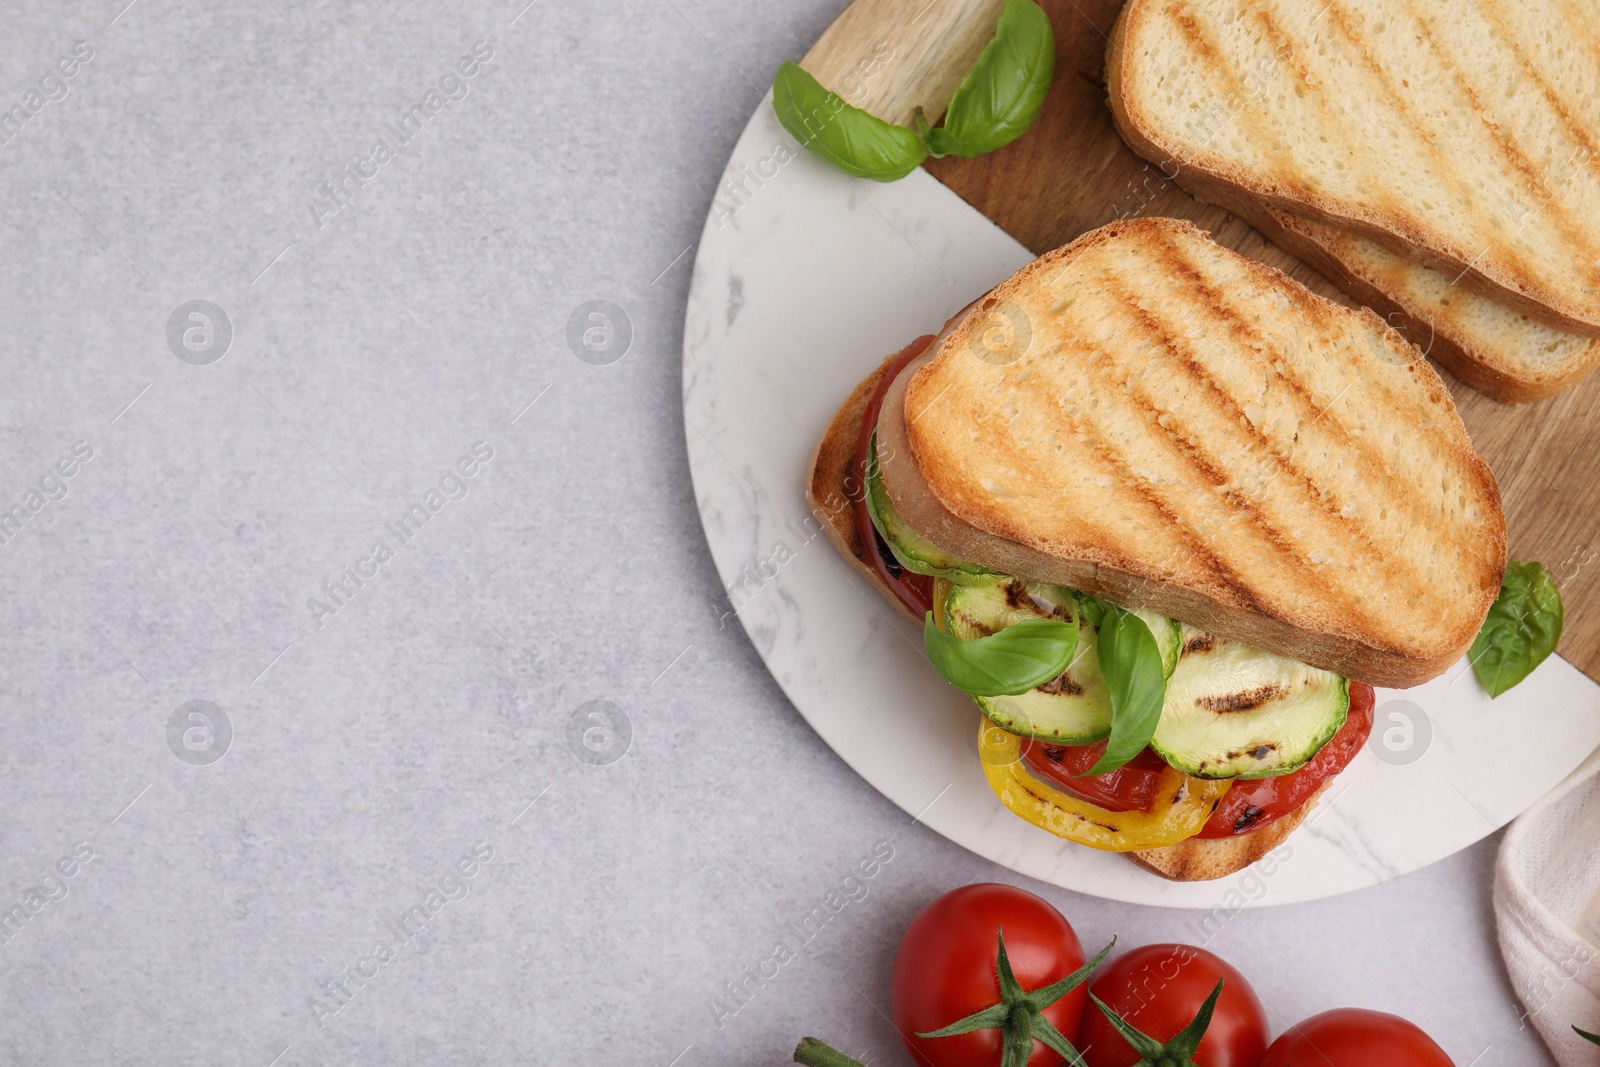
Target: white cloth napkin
<point>1547,911</point>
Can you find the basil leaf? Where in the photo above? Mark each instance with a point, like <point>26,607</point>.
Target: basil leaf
<point>1093,609</point>
<point>1522,629</point>
<point>1001,96</point>
<point>853,140</point>
<point>1130,661</point>
<point>1011,662</point>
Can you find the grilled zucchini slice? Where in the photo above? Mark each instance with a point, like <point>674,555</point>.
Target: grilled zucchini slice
<point>1073,708</point>
<point>915,552</point>
<point>1233,711</point>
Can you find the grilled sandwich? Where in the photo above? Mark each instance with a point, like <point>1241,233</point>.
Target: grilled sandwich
<point>1145,433</point>
<point>1462,137</point>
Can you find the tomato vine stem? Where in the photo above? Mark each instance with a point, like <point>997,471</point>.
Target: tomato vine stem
<point>1179,1052</point>
<point>1019,1014</point>
<point>814,1053</point>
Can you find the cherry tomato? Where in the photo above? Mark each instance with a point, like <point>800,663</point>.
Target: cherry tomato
<point>1158,989</point>
<point>1252,805</point>
<point>945,971</point>
<point>1355,1037</point>
<point>1129,788</point>
<point>913,590</point>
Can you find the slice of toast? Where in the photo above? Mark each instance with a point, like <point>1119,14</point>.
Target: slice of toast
<point>1147,416</point>
<point>831,484</point>
<point>1462,136</point>
<point>1492,347</point>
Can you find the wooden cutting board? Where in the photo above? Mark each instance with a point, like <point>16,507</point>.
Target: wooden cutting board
<point>1071,173</point>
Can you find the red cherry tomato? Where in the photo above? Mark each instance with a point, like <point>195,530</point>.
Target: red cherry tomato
<point>1252,805</point>
<point>945,971</point>
<point>1159,988</point>
<point>1355,1037</point>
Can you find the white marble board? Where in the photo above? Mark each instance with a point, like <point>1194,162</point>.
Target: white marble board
<point>804,279</point>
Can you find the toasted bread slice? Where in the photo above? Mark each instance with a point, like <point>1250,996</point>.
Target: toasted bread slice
<point>1147,416</point>
<point>830,485</point>
<point>1204,859</point>
<point>1461,135</point>
<point>1492,347</point>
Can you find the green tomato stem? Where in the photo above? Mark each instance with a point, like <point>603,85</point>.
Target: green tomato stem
<point>814,1053</point>
<point>1019,1014</point>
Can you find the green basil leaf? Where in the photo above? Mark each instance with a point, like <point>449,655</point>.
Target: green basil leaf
<point>1523,628</point>
<point>1008,663</point>
<point>1130,661</point>
<point>853,140</point>
<point>1001,96</point>
<point>1094,610</point>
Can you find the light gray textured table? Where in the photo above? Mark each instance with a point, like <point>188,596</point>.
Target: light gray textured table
<point>407,853</point>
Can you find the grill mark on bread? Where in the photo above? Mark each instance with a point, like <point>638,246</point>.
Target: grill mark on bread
<point>1219,298</point>
<point>1217,66</point>
<point>1192,456</point>
<point>1494,14</point>
<point>1191,30</point>
<point>1510,150</point>
<point>1578,21</point>
<point>1207,466</point>
<point>1287,51</point>
<point>1366,60</point>
<point>1512,154</point>
<point>1166,338</point>
<point>1395,563</point>
<point>1113,461</point>
<point>1249,337</point>
<point>1214,303</point>
<point>1447,173</point>
<point>1587,144</point>
<point>1184,16</point>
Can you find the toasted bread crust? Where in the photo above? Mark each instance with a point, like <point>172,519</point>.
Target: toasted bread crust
<point>1204,859</point>
<point>1390,222</point>
<point>1507,379</point>
<point>1396,631</point>
<point>831,485</point>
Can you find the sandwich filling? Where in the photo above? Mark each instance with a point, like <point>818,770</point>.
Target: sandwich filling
<point>1244,737</point>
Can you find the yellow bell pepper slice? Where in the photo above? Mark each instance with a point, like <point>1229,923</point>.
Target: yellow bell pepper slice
<point>1180,808</point>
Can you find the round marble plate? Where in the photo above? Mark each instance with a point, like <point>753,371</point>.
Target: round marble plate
<point>804,279</point>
